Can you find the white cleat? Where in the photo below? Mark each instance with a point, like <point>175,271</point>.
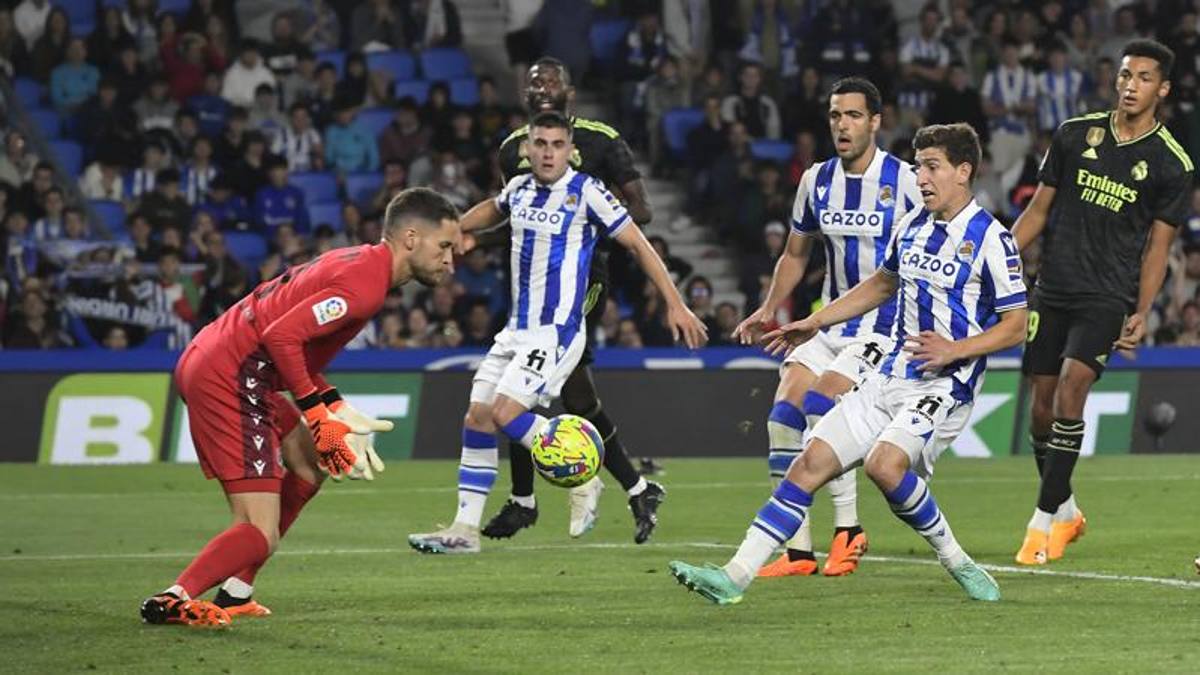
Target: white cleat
<point>458,538</point>
<point>585,506</point>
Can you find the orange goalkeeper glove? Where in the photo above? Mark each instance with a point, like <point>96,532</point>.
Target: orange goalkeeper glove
<point>334,455</point>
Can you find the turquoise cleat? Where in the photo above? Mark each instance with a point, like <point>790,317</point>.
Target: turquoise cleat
<point>709,581</point>
<point>976,581</point>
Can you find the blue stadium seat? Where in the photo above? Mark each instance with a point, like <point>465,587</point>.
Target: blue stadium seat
<point>179,7</point>
<point>444,64</point>
<point>776,151</point>
<point>362,186</point>
<point>375,120</point>
<point>400,64</point>
<point>111,215</point>
<point>464,91</point>
<point>47,121</point>
<point>677,123</point>
<point>29,92</point>
<point>325,213</point>
<point>417,89</point>
<point>159,339</point>
<point>318,186</point>
<point>248,247</point>
<point>334,57</point>
<point>82,14</point>
<point>69,156</point>
<point>606,38</point>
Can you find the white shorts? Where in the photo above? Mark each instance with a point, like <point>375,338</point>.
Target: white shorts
<point>529,366</point>
<point>848,356</point>
<point>918,416</point>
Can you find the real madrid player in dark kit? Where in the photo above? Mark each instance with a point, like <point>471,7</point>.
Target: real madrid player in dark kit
<point>1114,187</point>
<point>601,152</point>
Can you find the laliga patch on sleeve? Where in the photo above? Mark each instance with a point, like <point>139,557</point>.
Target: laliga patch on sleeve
<point>330,309</point>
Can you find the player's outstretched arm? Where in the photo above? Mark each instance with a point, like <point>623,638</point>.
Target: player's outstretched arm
<point>936,352</point>
<point>789,270</point>
<point>1154,271</point>
<point>1032,220</point>
<point>684,324</point>
<point>867,295</point>
<point>483,216</point>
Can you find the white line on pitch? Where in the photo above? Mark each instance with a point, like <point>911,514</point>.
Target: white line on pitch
<point>1004,569</point>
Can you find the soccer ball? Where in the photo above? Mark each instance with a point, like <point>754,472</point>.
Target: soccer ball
<point>568,452</point>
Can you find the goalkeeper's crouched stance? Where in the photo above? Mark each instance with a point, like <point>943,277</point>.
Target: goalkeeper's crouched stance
<point>247,435</point>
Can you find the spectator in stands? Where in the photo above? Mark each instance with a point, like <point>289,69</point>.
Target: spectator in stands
<point>438,110</point>
<point>156,110</point>
<point>265,116</point>
<point>1080,44</point>
<point>628,336</point>
<point>139,19</point>
<point>33,326</point>
<point>395,179</point>
<point>51,47</point>
<point>129,75</point>
<point>186,62</point>
<point>30,18</point>
<point>644,49</point>
<point>166,205</point>
<point>219,33</point>
<point>605,331</point>
<point>806,107</point>
<point>320,27</point>
<point>804,155</point>
<point>282,54</point>
<point>75,225</point>
<point>104,44</point>
<point>178,290</point>
<point>450,178</point>
<point>244,76</point>
<point>1009,93</point>
<point>419,328</point>
<point>298,142</point>
<point>202,12</point>
<point>1191,233</point>
<point>490,113</point>
<point>50,224</point>
<point>348,147</point>
<point>300,84</point>
<point>711,83</point>
<point>1125,29</point>
<point>959,35</point>
<point>1102,92</point>
<point>320,103</point>
<point>405,138</point>
<point>277,202</point>
<point>665,90</point>
<point>18,163</point>
<point>650,314</point>
<point>218,263</point>
<point>958,101</point>
<point>33,192</point>
<point>102,180</point>
<point>763,201</point>
<point>14,55</point>
<point>688,27</point>
<point>562,28</point>
<point>20,250</point>
<point>211,109</point>
<point>391,330</point>
<point>757,268</point>
<point>465,143</point>
<point>145,177</point>
<point>105,124</point>
<point>770,43</point>
<point>751,106</point>
<point>249,173</point>
<point>75,80</point>
<point>145,249</point>
<point>477,328</point>
<point>481,282</point>
<point>116,338</point>
<point>432,23</point>
<point>198,172</point>
<point>725,319</point>
<point>923,63</point>
<point>1059,88</point>
<point>1189,328</point>
<point>377,24</point>
<point>677,267</point>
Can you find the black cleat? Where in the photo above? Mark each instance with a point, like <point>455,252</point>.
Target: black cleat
<point>512,519</point>
<point>645,511</point>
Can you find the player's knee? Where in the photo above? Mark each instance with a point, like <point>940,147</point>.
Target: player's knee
<point>816,403</point>
<point>479,417</point>
<point>270,532</point>
<point>885,469</point>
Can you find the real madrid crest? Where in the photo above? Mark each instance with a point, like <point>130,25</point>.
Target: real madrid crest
<point>1095,136</point>
<point>966,251</point>
<point>886,199</point>
<point>1140,170</point>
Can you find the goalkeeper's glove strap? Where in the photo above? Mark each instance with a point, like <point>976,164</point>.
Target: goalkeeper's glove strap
<point>309,402</point>
<point>330,396</point>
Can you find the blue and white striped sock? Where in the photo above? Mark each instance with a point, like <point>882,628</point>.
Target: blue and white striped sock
<point>913,503</point>
<point>476,475</point>
<point>524,427</point>
<point>775,523</point>
<point>785,431</point>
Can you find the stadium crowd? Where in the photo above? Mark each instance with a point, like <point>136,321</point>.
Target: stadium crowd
<point>220,143</point>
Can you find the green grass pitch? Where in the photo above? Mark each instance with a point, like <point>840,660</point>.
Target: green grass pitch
<point>80,547</point>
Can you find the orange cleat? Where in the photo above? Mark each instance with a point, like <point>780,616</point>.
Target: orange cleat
<point>1062,534</point>
<point>1033,549</point>
<point>248,608</point>
<point>844,554</point>
<point>783,567</point>
<point>164,609</point>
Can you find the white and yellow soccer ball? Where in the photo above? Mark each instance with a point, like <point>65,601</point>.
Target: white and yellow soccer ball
<point>568,452</point>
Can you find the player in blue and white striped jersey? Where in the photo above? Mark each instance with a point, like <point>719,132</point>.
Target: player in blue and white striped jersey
<point>853,202</point>
<point>557,214</point>
<point>1058,90</point>
<point>961,297</point>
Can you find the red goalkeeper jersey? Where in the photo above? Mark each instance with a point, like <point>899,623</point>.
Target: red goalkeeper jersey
<point>301,319</point>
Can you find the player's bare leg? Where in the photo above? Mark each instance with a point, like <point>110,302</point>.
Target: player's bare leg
<point>849,540</point>
<point>300,484</point>
<point>249,540</point>
<point>888,466</point>
<point>1057,518</point>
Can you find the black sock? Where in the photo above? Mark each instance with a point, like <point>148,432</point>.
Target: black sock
<point>1066,437</point>
<point>224,599</point>
<point>1041,450</point>
<point>616,460</point>
<point>796,554</point>
<point>854,531</point>
<point>520,462</point>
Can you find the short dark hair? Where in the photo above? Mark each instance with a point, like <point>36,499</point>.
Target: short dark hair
<point>1152,49</point>
<point>420,204</point>
<point>552,119</point>
<point>551,62</point>
<point>860,85</point>
<point>169,252</point>
<point>959,141</point>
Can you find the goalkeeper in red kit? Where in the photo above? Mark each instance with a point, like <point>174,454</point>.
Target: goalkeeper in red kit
<point>280,337</point>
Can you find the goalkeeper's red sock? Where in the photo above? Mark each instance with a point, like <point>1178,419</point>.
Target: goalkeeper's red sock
<point>235,548</point>
<point>294,494</point>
